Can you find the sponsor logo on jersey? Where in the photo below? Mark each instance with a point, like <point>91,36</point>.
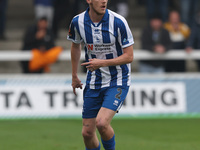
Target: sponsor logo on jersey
<point>96,31</point>
<point>125,40</point>
<point>100,48</point>
<point>90,47</point>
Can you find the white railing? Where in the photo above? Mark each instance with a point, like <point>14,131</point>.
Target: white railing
<point>14,55</point>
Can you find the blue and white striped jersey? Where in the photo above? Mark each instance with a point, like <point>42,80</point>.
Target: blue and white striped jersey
<point>103,40</point>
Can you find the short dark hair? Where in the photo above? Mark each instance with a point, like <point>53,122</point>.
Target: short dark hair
<point>42,18</point>
<point>156,16</point>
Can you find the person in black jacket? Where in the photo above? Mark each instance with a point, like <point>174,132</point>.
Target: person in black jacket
<point>3,10</point>
<point>38,36</point>
<point>194,39</point>
<point>38,39</point>
<point>156,40</point>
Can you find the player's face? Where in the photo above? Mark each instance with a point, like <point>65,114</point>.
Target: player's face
<point>98,6</point>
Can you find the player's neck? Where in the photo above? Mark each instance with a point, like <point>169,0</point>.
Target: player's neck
<point>95,17</point>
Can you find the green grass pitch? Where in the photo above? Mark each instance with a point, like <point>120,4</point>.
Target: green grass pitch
<point>131,134</point>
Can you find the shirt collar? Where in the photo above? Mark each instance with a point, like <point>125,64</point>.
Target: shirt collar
<point>105,17</point>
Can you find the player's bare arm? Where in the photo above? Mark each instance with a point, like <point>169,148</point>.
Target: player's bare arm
<point>75,58</point>
<point>125,58</point>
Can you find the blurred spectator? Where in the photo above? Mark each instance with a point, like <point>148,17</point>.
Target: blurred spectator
<point>157,7</point>
<point>39,39</point>
<point>141,2</point>
<point>188,10</point>
<point>154,39</point>
<point>61,9</point>
<point>3,8</point>
<point>44,8</point>
<point>66,9</point>
<point>120,6</point>
<point>194,39</point>
<point>179,33</point>
<point>174,4</point>
<point>79,6</point>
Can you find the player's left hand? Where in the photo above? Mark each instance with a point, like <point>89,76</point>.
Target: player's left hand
<point>93,64</point>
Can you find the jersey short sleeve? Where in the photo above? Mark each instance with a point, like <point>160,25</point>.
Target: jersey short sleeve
<point>125,35</point>
<point>74,33</point>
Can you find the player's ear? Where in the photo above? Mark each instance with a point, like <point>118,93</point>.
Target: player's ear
<point>88,1</point>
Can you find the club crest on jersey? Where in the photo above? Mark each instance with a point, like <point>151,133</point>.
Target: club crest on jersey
<point>97,39</point>
<point>90,47</point>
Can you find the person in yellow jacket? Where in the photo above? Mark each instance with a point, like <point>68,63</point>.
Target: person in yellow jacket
<point>179,34</point>
<point>40,41</point>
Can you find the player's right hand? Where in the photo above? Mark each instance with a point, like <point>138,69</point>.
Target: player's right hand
<point>76,83</point>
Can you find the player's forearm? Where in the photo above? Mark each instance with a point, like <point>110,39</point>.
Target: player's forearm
<point>75,58</point>
<point>121,60</point>
<point>125,58</point>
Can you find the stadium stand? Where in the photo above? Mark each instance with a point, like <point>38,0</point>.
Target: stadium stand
<point>20,14</point>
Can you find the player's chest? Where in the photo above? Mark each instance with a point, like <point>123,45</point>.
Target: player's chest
<point>101,34</point>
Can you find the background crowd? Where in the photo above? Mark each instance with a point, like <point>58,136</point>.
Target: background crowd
<point>170,29</point>
<point>169,26</point>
